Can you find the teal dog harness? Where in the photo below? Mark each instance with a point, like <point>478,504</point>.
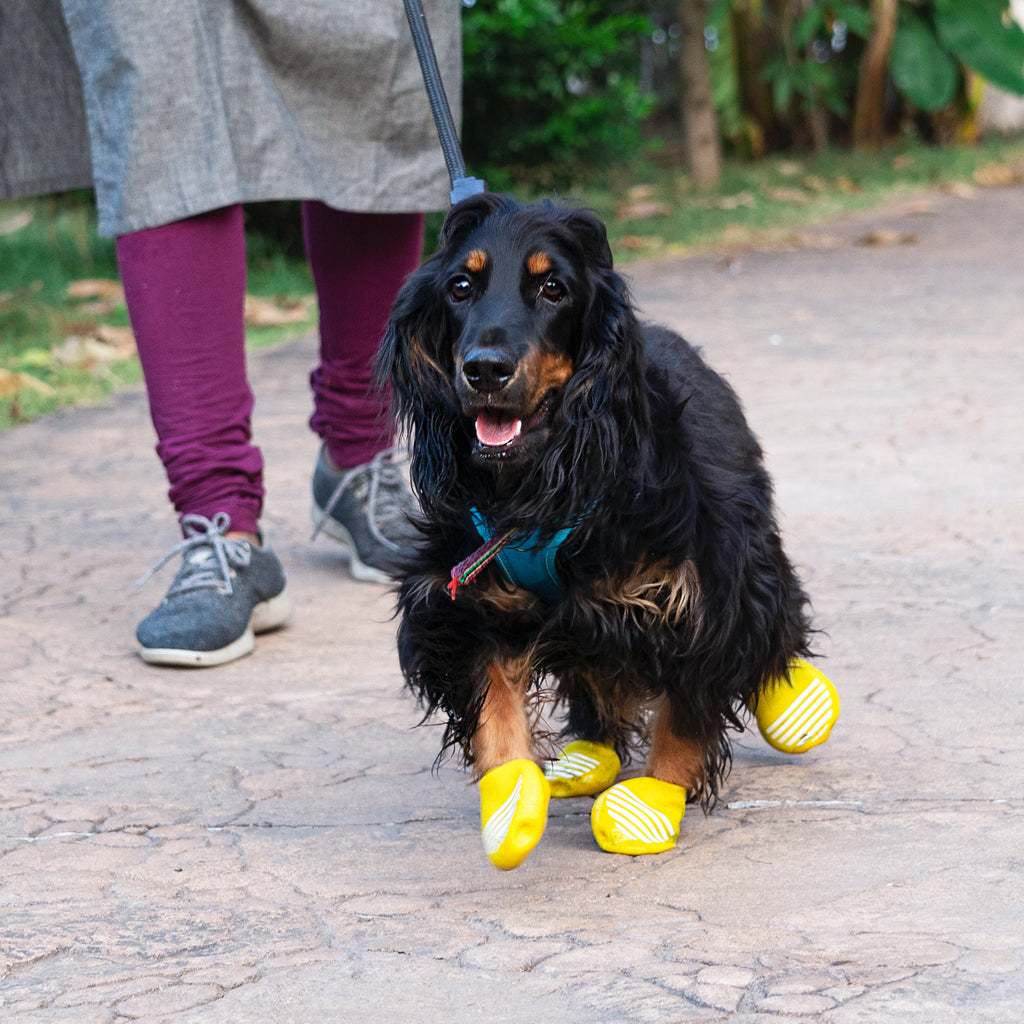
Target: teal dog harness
<point>526,563</point>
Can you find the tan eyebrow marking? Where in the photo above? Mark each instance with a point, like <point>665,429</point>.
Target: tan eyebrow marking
<point>476,261</point>
<point>539,263</point>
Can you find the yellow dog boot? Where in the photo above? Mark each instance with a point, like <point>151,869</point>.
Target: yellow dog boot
<point>582,769</point>
<point>799,714</point>
<point>513,811</point>
<point>638,816</point>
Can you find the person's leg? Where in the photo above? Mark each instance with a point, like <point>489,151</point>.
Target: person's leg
<point>185,290</point>
<point>359,262</point>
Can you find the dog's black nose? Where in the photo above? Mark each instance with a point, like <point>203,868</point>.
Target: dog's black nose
<point>488,370</point>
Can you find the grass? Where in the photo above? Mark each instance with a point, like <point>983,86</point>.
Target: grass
<point>660,213</point>
<point>651,210</point>
<point>64,332</point>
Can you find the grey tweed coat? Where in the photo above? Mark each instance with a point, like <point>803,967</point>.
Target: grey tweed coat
<point>197,104</point>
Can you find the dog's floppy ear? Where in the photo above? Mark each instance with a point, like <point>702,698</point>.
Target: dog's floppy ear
<point>414,359</point>
<point>471,213</point>
<point>590,233</point>
<point>607,396</point>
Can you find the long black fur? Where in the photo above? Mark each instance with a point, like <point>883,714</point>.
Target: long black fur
<point>647,451</point>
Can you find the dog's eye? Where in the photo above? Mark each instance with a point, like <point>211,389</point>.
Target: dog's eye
<point>460,288</point>
<point>553,290</point>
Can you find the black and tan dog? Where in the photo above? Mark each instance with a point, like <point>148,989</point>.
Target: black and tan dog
<point>597,529</point>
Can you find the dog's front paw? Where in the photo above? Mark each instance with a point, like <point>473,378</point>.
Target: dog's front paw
<point>582,769</point>
<point>638,816</point>
<point>513,811</point>
<point>799,714</point>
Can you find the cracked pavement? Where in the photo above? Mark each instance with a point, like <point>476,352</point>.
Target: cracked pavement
<point>267,842</point>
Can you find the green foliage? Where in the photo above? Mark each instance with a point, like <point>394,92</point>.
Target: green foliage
<point>725,91</point>
<point>985,38</point>
<point>813,64</point>
<point>922,69</point>
<point>807,71</point>
<point>934,37</point>
<point>549,86</point>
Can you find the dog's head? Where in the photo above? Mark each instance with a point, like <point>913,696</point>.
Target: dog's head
<point>517,283</point>
<point>514,343</point>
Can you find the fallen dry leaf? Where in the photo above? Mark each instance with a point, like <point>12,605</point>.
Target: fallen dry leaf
<point>101,346</point>
<point>815,240</point>
<point>881,237</point>
<point>12,383</point>
<point>276,313</point>
<point>915,208</point>
<point>120,338</point>
<point>960,189</point>
<point>15,222</point>
<point>641,209</point>
<point>998,175</point>
<point>96,307</point>
<point>639,241</point>
<point>639,193</point>
<point>84,352</point>
<point>848,185</point>
<point>734,202</point>
<point>96,288</point>
<point>787,195</point>
<point>737,235</point>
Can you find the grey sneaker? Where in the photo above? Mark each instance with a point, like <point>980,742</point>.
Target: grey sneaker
<point>367,509</point>
<point>226,590</point>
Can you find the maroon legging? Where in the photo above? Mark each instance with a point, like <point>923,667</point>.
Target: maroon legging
<point>185,288</point>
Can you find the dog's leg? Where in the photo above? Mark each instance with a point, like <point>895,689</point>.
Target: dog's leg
<point>589,763</point>
<point>504,731</point>
<point>672,758</point>
<point>643,815</point>
<point>513,791</point>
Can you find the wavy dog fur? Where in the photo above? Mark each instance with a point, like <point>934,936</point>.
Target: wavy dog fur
<point>677,597</point>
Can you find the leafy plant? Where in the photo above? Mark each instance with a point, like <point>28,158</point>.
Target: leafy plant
<point>812,67</point>
<point>934,37</point>
<point>984,36</point>
<point>921,68</point>
<point>549,85</point>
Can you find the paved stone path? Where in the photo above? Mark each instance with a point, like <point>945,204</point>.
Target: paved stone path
<point>266,842</point>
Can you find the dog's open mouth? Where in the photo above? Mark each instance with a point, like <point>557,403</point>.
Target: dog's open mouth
<point>496,429</point>
<point>499,432</point>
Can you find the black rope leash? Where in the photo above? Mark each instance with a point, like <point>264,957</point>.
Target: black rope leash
<point>462,186</point>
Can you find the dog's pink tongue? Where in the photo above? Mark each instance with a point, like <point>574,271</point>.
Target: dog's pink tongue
<point>493,429</point>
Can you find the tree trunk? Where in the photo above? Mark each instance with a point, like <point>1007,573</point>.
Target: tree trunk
<point>750,43</point>
<point>869,113</point>
<point>697,110</point>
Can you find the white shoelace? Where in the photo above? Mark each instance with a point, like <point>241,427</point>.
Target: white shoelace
<point>209,556</point>
<point>383,477</point>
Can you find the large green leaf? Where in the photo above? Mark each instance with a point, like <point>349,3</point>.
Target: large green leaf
<point>976,32</point>
<point>923,71</point>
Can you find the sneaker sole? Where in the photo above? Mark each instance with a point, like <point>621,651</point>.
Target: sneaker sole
<point>358,568</point>
<point>267,615</point>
